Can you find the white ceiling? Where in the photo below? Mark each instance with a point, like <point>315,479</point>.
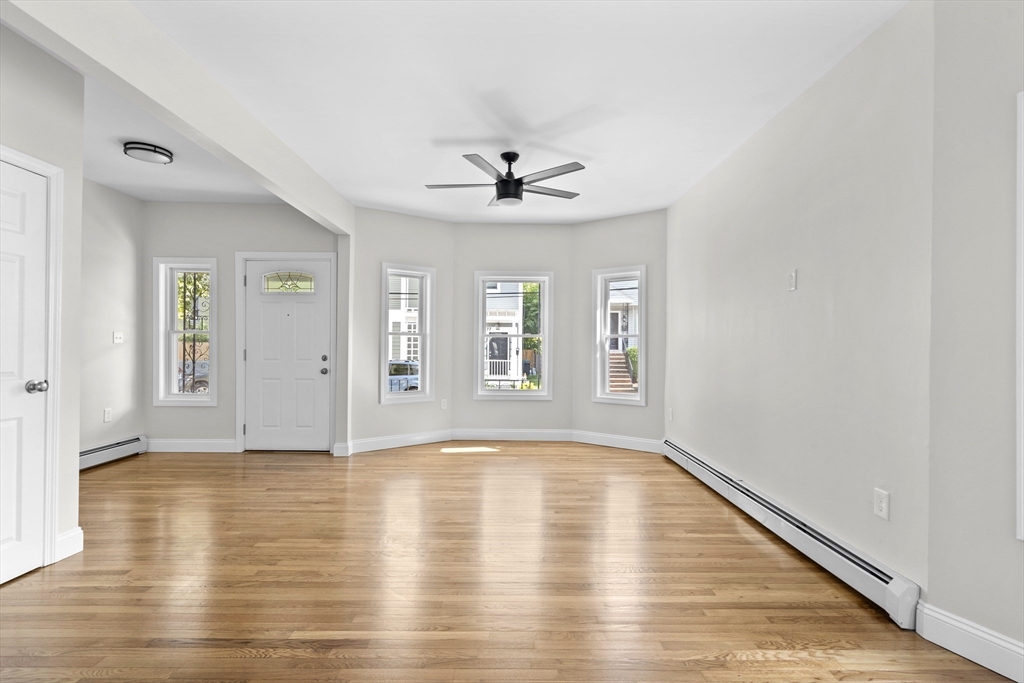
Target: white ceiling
<point>194,176</point>
<point>383,97</point>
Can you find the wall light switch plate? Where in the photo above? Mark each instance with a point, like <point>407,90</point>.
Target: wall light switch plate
<point>107,415</point>
<point>792,280</point>
<point>444,404</point>
<point>881,506</point>
<point>119,337</point>
<point>670,416</point>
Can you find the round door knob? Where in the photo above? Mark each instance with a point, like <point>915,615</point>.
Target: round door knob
<point>33,386</point>
<point>323,371</point>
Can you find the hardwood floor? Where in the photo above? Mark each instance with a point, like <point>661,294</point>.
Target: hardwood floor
<point>531,562</point>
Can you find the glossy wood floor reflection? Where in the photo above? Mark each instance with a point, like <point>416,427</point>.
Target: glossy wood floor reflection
<point>528,562</point>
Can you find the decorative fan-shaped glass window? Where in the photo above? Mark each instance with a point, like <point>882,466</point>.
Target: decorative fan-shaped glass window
<point>288,283</point>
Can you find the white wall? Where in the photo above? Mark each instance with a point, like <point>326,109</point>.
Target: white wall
<point>112,268</point>
<point>612,243</point>
<point>976,565</point>
<point>817,396</point>
<point>513,248</point>
<point>217,230</point>
<point>42,115</point>
<point>385,237</point>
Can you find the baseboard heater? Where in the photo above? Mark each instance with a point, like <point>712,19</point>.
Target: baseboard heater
<point>894,593</point>
<point>113,451</point>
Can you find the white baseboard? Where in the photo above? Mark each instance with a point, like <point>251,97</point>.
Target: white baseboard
<point>69,543</point>
<point>193,446</point>
<point>342,449</point>
<point>381,443</point>
<point>400,440</point>
<point>986,647</point>
<point>631,443</point>
<point>511,435</point>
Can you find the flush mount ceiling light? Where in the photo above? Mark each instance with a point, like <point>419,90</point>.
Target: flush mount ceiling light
<point>143,151</point>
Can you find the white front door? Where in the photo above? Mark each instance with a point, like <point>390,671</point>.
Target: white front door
<point>289,362</point>
<point>23,359</point>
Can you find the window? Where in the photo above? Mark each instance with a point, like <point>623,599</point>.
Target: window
<point>406,319</point>
<point>184,372</point>
<point>513,349</point>
<point>619,336</point>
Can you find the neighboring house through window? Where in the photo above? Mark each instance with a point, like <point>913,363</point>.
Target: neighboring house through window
<point>513,314</point>
<point>406,317</point>
<point>619,336</point>
<point>184,372</point>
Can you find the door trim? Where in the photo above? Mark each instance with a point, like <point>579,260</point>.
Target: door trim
<point>241,259</point>
<point>54,234</point>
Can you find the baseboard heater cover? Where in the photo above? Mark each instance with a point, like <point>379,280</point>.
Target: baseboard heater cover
<point>894,593</point>
<point>113,451</point>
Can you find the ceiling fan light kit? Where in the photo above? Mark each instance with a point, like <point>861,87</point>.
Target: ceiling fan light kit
<point>144,151</point>
<point>508,190</point>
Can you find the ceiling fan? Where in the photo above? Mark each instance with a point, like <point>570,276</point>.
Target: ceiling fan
<point>508,190</point>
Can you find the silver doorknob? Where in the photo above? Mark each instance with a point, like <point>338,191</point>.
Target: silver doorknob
<point>323,371</point>
<point>33,387</point>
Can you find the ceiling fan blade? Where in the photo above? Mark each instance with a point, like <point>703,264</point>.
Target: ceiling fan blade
<point>552,172</point>
<point>482,164</point>
<point>443,187</point>
<point>494,201</point>
<point>550,192</point>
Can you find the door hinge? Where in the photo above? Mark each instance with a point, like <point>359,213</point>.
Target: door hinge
<point>243,354</point>
<point>243,430</point>
<point>245,280</point>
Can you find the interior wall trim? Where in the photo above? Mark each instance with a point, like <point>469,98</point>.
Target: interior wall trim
<point>193,446</point>
<point>983,646</point>
<point>631,443</point>
<point>882,585</point>
<point>69,543</point>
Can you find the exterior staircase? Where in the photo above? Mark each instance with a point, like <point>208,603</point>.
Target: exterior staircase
<point>619,381</point>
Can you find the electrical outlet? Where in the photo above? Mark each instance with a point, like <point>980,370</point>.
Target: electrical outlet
<point>107,414</point>
<point>792,280</point>
<point>881,506</point>
<point>119,337</point>
<point>444,404</point>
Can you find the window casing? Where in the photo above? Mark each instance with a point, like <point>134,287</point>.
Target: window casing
<point>513,335</point>
<point>185,332</point>
<point>406,349</point>
<point>620,349</point>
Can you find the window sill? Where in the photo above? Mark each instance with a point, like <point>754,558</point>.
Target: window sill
<point>637,401</point>
<point>512,396</point>
<point>185,402</point>
<point>406,397</point>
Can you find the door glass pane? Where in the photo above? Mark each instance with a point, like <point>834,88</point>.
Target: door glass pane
<point>513,363</point>
<point>623,365</point>
<point>192,366</point>
<point>285,282</point>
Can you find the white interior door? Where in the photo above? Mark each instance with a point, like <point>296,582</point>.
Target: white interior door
<point>289,363</point>
<point>23,359</point>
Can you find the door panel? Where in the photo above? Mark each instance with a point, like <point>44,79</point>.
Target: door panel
<point>23,199</point>
<point>288,332</point>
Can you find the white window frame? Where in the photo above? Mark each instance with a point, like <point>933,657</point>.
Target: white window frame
<point>426,331</point>
<point>602,314</point>
<point>546,280</point>
<point>164,310</point>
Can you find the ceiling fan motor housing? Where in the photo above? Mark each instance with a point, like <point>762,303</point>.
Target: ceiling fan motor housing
<point>509,191</point>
